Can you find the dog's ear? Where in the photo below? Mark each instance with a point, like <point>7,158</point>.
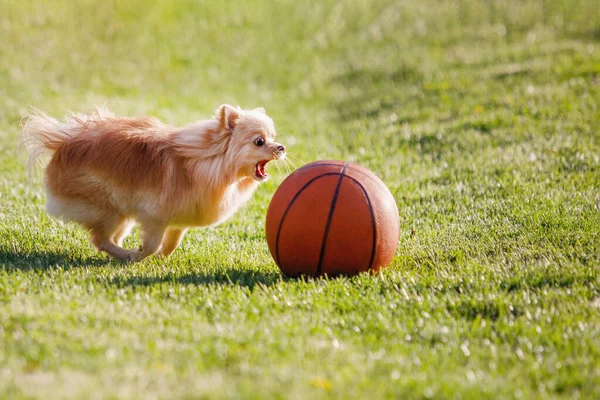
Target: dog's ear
<point>228,116</point>
<point>260,110</point>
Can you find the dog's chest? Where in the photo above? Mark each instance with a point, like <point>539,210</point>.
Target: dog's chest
<point>234,197</point>
<point>218,208</point>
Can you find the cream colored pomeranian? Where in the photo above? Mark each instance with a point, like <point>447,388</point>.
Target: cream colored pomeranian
<point>108,172</point>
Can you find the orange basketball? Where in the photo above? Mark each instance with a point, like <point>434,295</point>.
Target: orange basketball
<point>332,218</point>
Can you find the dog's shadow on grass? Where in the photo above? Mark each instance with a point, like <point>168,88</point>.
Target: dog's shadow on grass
<point>47,259</point>
<point>228,277</point>
<point>43,260</point>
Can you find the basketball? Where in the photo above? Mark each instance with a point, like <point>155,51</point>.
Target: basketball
<point>332,218</point>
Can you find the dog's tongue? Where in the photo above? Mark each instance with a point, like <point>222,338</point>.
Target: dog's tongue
<point>260,169</point>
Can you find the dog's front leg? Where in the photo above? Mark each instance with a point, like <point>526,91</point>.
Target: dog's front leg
<point>171,240</point>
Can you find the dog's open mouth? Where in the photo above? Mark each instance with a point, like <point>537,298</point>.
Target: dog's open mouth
<point>260,172</point>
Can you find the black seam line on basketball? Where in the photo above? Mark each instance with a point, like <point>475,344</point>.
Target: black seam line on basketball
<point>307,184</point>
<point>331,210</point>
<point>365,174</point>
<point>372,218</point>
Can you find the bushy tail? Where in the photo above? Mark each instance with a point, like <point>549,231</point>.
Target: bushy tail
<point>43,135</point>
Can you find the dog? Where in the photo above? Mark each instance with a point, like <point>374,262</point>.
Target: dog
<point>108,172</point>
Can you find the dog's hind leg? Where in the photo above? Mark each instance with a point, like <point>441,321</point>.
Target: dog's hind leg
<point>122,232</point>
<point>103,233</point>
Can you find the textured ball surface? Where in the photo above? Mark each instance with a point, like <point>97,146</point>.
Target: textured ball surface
<point>332,218</point>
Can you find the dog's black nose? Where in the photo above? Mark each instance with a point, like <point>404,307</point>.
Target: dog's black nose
<point>281,148</point>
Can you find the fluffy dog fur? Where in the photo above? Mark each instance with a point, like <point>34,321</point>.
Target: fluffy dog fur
<point>107,172</point>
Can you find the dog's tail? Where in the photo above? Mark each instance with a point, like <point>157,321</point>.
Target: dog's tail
<point>44,135</point>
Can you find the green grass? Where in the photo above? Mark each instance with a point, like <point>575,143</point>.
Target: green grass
<point>481,116</point>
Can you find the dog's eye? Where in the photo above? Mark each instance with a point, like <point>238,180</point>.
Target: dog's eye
<point>259,142</point>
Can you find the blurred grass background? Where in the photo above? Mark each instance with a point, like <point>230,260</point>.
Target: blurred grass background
<point>481,116</point>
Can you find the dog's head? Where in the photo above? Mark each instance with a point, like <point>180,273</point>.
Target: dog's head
<point>251,142</point>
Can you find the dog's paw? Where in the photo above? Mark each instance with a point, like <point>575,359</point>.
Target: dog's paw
<point>134,255</point>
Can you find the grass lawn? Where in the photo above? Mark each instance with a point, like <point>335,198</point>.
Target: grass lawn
<point>483,119</point>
